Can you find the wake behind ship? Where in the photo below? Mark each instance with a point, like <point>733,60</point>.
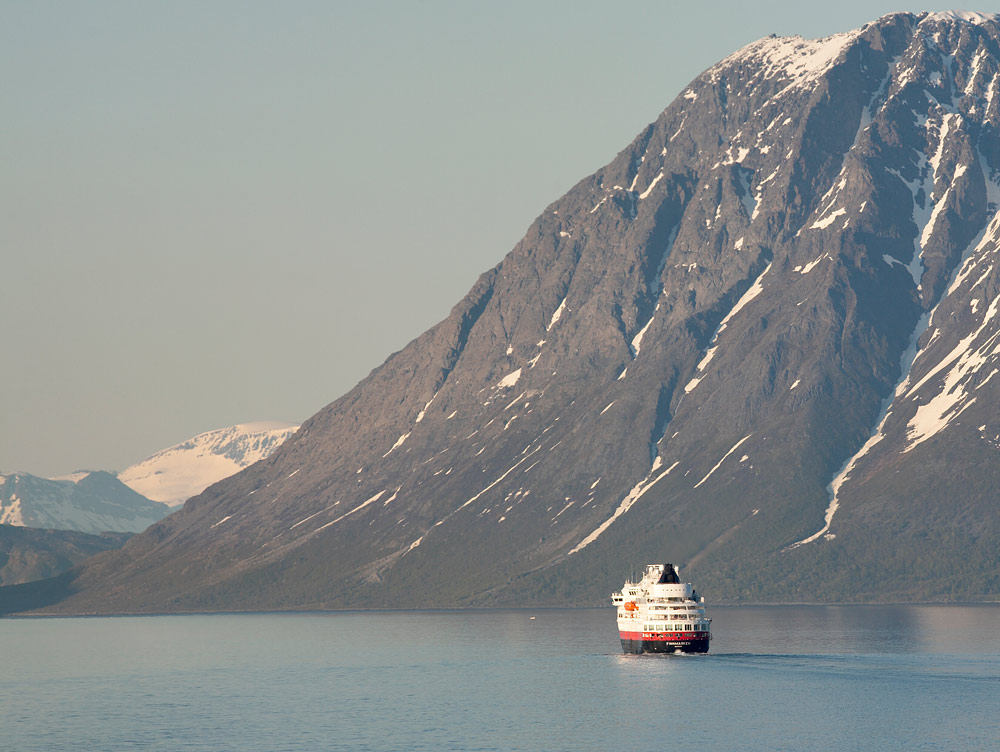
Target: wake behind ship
<point>661,614</point>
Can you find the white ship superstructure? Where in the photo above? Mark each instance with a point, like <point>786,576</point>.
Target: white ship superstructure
<point>661,614</point>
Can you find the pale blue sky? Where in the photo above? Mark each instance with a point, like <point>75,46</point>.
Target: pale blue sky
<point>218,212</point>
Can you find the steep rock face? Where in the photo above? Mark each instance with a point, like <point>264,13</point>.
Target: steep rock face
<point>760,342</point>
<point>90,502</point>
<point>175,474</point>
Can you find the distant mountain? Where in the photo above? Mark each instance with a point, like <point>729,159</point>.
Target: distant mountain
<point>28,554</point>
<point>91,502</point>
<point>175,474</point>
<point>762,342</point>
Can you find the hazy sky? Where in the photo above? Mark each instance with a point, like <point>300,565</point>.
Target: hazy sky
<point>219,212</point>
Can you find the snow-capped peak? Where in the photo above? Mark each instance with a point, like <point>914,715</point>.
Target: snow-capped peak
<point>177,473</point>
<point>792,57</point>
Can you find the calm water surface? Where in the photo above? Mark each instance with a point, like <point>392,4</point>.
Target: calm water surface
<point>778,678</point>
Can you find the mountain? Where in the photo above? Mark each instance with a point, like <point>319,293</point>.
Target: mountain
<point>95,502</point>
<point>91,502</point>
<point>28,554</point>
<point>176,474</point>
<point>761,342</point>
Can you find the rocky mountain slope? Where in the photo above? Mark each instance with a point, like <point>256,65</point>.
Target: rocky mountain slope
<point>88,501</point>
<point>177,473</point>
<point>762,342</point>
<point>28,554</point>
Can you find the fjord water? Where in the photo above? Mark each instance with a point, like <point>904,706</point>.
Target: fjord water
<point>778,678</point>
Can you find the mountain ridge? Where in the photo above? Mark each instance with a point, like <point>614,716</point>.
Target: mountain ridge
<point>29,554</point>
<point>89,501</point>
<point>96,501</point>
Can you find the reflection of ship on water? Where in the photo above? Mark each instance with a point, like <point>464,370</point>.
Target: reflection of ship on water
<point>661,614</point>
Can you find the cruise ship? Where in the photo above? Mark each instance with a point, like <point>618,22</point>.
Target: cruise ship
<point>661,614</point>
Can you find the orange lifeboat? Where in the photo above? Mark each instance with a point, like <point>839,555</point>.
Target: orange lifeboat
<point>630,606</point>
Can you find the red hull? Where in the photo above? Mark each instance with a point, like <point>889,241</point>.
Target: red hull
<point>664,642</point>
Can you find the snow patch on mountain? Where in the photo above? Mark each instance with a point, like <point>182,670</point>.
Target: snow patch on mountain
<point>10,513</point>
<point>556,316</point>
<point>509,380</point>
<point>752,292</point>
<point>952,400</point>
<point>422,413</point>
<point>399,443</point>
<point>358,508</point>
<point>636,343</point>
<point>719,463</point>
<point>631,498</point>
<point>829,219</point>
<point>645,194</point>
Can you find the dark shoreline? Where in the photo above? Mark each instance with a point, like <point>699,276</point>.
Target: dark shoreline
<point>466,609</point>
